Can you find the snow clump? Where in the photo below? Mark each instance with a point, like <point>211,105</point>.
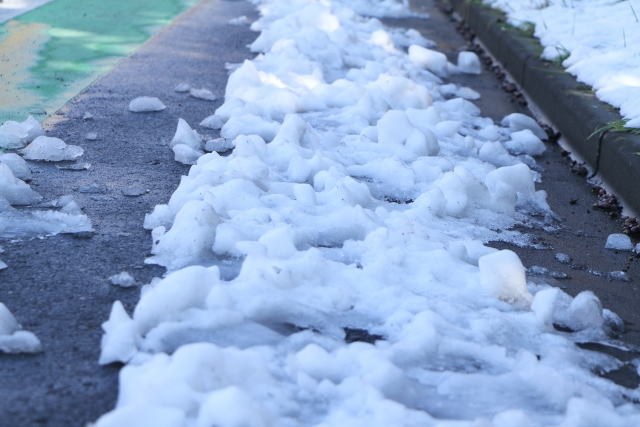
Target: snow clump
<point>14,135</point>
<point>205,94</point>
<point>123,279</point>
<point>619,242</point>
<point>469,63</point>
<point>146,104</point>
<point>12,338</point>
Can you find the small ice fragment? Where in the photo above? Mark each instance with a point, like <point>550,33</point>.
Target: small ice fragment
<point>51,149</point>
<point>517,122</point>
<point>18,166</point>
<point>182,87</point>
<point>619,276</point>
<point>212,122</point>
<point>205,94</point>
<point>536,270</point>
<point>123,279</point>
<point>186,155</point>
<point>145,104</point>
<point>133,191</point>
<point>15,191</point>
<point>38,111</point>
<point>93,188</point>
<point>119,340</point>
<point>12,338</point>
<point>219,145</point>
<point>563,258</point>
<point>619,242</point>
<point>239,21</point>
<point>10,141</point>
<point>436,62</point>
<point>3,265</point>
<point>75,167</point>
<point>187,136</point>
<point>87,116</point>
<point>91,136</point>
<point>469,63</point>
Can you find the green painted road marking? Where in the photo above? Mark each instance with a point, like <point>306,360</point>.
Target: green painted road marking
<point>50,54</point>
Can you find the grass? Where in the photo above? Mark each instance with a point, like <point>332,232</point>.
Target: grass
<point>616,126</point>
<point>563,53</point>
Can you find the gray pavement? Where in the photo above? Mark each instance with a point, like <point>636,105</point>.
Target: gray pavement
<point>57,287</point>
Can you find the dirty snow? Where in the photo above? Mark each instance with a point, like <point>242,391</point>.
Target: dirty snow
<point>332,269</point>
<point>598,40</point>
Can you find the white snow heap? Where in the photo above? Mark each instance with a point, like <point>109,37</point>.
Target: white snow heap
<point>619,242</point>
<point>205,94</point>
<point>12,338</point>
<point>469,63</point>
<point>14,135</point>
<point>331,270</point>
<point>146,104</point>
<point>525,142</point>
<point>51,150</point>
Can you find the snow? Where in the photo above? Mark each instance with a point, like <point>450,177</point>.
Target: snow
<point>358,195</point>
<point>183,87</point>
<point>239,21</point>
<point>123,279</point>
<point>619,242</point>
<point>205,94</point>
<point>12,338</point>
<point>50,149</point>
<point>469,63</point>
<point>600,38</point>
<point>17,165</point>
<point>212,122</point>
<point>146,104</point>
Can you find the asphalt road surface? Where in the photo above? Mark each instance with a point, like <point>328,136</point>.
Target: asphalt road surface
<point>57,287</point>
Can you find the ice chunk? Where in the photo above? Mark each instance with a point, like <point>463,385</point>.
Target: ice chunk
<point>146,104</point>
<point>134,191</point>
<point>12,338</point>
<point>219,145</point>
<point>187,136</point>
<point>18,166</point>
<point>585,312</point>
<point>51,150</point>
<point>87,116</point>
<point>619,275</point>
<point>205,94</point>
<point>249,125</point>
<point>91,136</point>
<point>563,258</point>
<point>10,141</point>
<point>525,142</point>
<point>182,88</point>
<point>517,122</point>
<point>3,265</point>
<point>15,191</point>
<point>619,242</point>
<point>503,276</point>
<point>518,177</point>
<point>119,339</point>
<point>239,21</point>
<point>469,63</point>
<point>431,60</point>
<point>25,132</point>
<point>212,122</point>
<point>186,155</point>
<point>123,279</point>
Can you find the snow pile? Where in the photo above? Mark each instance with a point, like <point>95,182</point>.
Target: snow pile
<point>12,338</point>
<point>598,41</point>
<point>14,135</point>
<point>146,104</point>
<point>331,270</point>
<point>619,242</point>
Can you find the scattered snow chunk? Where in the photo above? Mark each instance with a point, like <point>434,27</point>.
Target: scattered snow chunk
<point>119,340</point>
<point>212,122</point>
<point>123,279</point>
<point>12,338</point>
<point>517,122</point>
<point>186,155</point>
<point>146,104</point>
<point>205,94</point>
<point>91,136</point>
<point>186,136</point>
<point>18,166</point>
<point>219,145</point>
<point>134,191</point>
<point>431,60</point>
<point>619,242</point>
<point>183,87</point>
<point>469,63</point>
<point>239,21</point>
<point>503,276</point>
<point>563,258</point>
<point>619,275</point>
<point>525,142</point>
<point>87,116</point>
<point>51,150</point>
<point>15,191</point>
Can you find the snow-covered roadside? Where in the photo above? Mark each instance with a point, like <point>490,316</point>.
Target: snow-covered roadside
<point>9,9</point>
<point>600,40</point>
<point>358,198</point>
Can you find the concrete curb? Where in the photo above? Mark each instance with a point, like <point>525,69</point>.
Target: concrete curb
<point>576,113</point>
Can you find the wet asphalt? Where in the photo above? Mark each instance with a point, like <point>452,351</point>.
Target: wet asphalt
<point>57,287</point>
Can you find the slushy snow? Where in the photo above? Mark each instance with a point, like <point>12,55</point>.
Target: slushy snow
<point>332,269</point>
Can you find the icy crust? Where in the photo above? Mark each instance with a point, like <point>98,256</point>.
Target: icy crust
<point>601,39</point>
<point>12,338</point>
<point>357,198</point>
